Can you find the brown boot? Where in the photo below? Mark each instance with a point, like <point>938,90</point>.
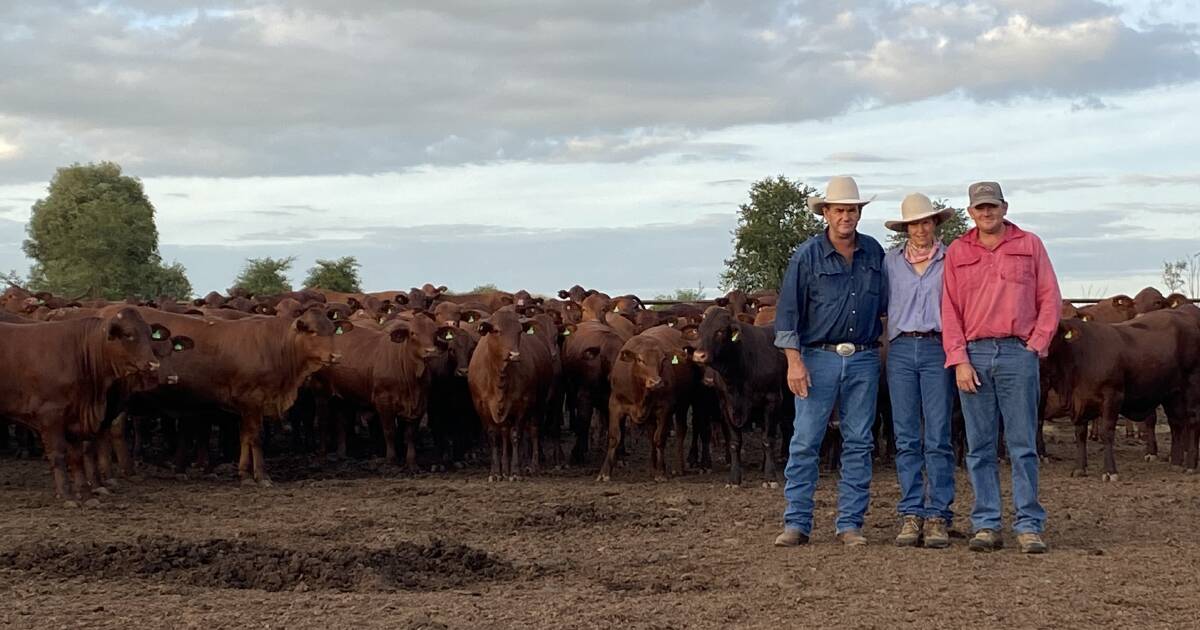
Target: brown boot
<point>986,540</point>
<point>910,531</point>
<point>791,538</point>
<point>852,538</point>
<point>936,535</point>
<point>1031,543</point>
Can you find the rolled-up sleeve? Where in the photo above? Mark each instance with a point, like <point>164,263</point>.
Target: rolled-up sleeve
<point>791,305</point>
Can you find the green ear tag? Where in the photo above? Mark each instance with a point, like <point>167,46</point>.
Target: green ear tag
<point>1070,334</point>
<point>339,330</point>
<point>675,360</point>
<point>529,332</point>
<point>567,332</point>
<point>735,335</point>
<point>449,336</point>
<point>178,347</point>
<point>156,335</point>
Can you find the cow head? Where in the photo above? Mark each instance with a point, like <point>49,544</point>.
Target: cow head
<point>314,335</point>
<point>504,329</point>
<point>129,340</point>
<point>1175,300</point>
<point>472,316</point>
<point>525,298</point>
<point>165,348</point>
<point>460,345</point>
<point>627,305</point>
<point>648,362</point>
<point>1150,299</point>
<point>337,311</point>
<point>716,336</point>
<point>419,333</point>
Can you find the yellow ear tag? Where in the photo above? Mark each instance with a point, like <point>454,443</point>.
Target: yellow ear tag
<point>616,309</point>
<point>675,360</point>
<point>529,332</point>
<point>567,332</point>
<point>735,335</point>
<point>449,336</point>
<point>1070,335</point>
<point>471,319</point>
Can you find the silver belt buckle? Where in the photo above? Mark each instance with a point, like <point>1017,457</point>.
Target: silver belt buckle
<point>844,349</point>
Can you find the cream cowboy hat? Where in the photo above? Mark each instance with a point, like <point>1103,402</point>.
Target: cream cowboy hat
<point>914,208</point>
<point>840,190</point>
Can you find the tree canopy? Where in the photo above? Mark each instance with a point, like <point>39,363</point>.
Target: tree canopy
<point>335,275</point>
<point>950,229</point>
<point>94,235</point>
<point>769,229</point>
<point>264,276</point>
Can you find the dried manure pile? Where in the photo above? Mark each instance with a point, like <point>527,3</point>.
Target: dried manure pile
<point>369,545</point>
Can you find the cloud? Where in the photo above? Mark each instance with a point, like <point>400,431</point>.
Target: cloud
<point>1189,179</point>
<point>1090,103</point>
<point>858,157</point>
<point>266,87</point>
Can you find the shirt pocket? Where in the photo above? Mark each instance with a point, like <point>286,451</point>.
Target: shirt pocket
<point>1017,267</point>
<point>830,287</point>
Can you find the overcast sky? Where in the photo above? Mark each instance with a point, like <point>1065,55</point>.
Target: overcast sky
<point>545,143</point>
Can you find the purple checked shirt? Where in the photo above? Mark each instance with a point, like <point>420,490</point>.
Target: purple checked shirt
<point>914,301</point>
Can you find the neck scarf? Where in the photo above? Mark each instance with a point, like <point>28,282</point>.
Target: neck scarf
<point>917,256</point>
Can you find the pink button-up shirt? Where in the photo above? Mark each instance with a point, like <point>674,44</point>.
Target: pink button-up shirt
<point>1009,291</point>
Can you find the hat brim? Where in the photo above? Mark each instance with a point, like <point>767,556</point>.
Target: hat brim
<point>817,205</point>
<point>992,200</point>
<point>902,224</point>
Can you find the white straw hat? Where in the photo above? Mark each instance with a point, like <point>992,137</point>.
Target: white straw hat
<point>916,207</point>
<point>840,190</point>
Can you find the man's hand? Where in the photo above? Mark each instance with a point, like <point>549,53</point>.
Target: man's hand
<point>798,378</point>
<point>966,377</point>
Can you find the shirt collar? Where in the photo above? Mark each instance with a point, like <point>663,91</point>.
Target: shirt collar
<point>1013,232</point>
<point>827,248</point>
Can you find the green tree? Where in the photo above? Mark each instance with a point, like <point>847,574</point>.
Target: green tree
<point>950,229</point>
<point>776,220</point>
<point>680,295</point>
<point>167,281</point>
<point>1173,274</point>
<point>94,235</point>
<point>264,276</point>
<point>483,288</point>
<point>335,275</point>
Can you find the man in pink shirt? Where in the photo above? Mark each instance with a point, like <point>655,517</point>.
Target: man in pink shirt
<point>1000,309</point>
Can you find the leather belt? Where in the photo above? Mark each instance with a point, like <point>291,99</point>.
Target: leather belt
<point>844,349</point>
<point>922,335</point>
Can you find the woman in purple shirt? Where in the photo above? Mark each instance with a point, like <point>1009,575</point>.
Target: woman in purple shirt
<point>918,382</point>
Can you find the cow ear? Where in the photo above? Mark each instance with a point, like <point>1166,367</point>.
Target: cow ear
<point>399,334</point>
<point>301,326</point>
<point>568,330</point>
<point>158,332</point>
<point>745,318</point>
<point>442,289</point>
<point>333,314</point>
<point>486,327</point>
<point>562,294</point>
<point>179,343</point>
<point>1070,333</point>
<point>628,355</point>
<point>342,327</point>
<point>1085,317</point>
<point>736,335</point>
<point>445,334</point>
<point>691,332</point>
<point>529,326</point>
<point>721,301</point>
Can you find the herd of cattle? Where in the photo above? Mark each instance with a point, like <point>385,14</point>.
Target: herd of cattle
<point>506,371</point>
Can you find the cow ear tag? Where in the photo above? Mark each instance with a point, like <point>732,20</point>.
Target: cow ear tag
<point>735,335</point>
<point>178,347</point>
<point>529,332</point>
<point>156,335</point>
<point>449,336</point>
<point>471,319</point>
<point>338,331</point>
<point>567,332</point>
<point>1070,335</point>
<point>675,360</point>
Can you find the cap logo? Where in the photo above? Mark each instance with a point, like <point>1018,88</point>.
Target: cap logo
<point>986,189</point>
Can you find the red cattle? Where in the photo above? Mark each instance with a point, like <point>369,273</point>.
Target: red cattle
<point>1118,308</point>
<point>651,385</point>
<point>588,356</point>
<point>1101,370</point>
<point>452,418</point>
<point>55,378</point>
<point>510,378</point>
<point>1149,299</point>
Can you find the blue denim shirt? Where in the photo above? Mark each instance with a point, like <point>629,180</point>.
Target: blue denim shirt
<point>914,301</point>
<point>825,300</point>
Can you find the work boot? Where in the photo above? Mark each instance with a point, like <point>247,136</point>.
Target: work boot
<point>910,532</point>
<point>1031,543</point>
<point>986,540</point>
<point>852,538</point>
<point>936,535</point>
<point>791,538</point>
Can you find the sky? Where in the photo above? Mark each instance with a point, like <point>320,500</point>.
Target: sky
<point>544,143</point>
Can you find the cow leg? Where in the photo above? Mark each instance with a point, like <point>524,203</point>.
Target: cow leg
<point>680,420</point>
<point>515,433</point>
<point>1150,437</point>
<point>120,445</point>
<point>535,445</point>
<point>202,433</point>
<point>104,457</point>
<point>614,441</point>
<point>581,423</point>
<point>769,479</point>
<point>735,457</point>
<point>410,445</point>
<point>658,448</point>
<point>251,466</point>
<point>493,435</point>
<point>387,424</point>
<point>76,462</point>
<point>1108,431</point>
<point>55,446</point>
<point>1081,440</point>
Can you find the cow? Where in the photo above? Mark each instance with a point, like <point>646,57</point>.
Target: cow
<point>588,356</point>
<point>55,378</point>
<point>577,294</point>
<point>510,377</point>
<point>1149,299</point>
<point>1101,370</point>
<point>753,385</point>
<point>736,301</point>
<point>387,372</point>
<point>252,367</point>
<point>651,385</point>
<point>452,418</point>
<point>1118,308</point>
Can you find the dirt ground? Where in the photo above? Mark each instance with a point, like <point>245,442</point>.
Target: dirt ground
<point>361,545</point>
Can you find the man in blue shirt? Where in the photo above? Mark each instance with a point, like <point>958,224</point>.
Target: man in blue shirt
<point>827,321</point>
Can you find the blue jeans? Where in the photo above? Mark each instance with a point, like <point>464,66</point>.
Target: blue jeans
<point>1010,388</point>
<point>854,382</point>
<point>919,385</point>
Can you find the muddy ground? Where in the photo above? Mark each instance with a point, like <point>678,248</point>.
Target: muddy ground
<point>362,545</point>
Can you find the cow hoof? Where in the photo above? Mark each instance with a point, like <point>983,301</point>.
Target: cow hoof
<point>1149,458</point>
<point>102,491</point>
<point>660,479</point>
<point>247,481</point>
<point>1189,471</point>
<point>1078,472</point>
<point>733,486</point>
<point>514,477</point>
<point>770,484</point>
<point>92,503</point>
<point>494,478</point>
<point>603,478</point>
<point>1109,477</point>
<point>266,483</point>
<point>71,505</point>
